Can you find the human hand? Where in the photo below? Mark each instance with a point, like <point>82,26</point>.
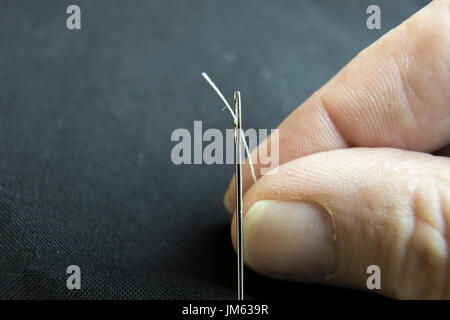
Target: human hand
<point>356,184</point>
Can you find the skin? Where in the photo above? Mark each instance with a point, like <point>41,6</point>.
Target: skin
<point>361,147</point>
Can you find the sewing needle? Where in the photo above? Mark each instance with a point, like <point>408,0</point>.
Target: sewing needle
<point>238,175</point>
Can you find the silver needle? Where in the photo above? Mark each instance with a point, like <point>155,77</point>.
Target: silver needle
<point>238,174</point>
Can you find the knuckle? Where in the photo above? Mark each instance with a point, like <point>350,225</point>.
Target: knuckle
<point>421,65</point>
<point>424,272</point>
<point>429,30</point>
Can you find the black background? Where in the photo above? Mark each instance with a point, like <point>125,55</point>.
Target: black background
<point>86,118</point>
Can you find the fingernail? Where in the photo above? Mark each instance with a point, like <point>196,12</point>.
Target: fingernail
<point>289,239</point>
<point>226,203</point>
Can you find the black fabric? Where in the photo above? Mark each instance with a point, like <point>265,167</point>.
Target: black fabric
<point>86,119</point>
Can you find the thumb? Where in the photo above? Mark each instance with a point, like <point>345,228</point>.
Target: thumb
<point>327,217</point>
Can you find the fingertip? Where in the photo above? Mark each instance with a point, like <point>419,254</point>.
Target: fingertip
<point>233,232</point>
<point>226,202</point>
<point>290,239</point>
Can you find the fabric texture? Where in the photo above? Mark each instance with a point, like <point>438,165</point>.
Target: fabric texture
<point>86,176</point>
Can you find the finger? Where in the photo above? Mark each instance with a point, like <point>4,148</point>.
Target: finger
<point>328,216</point>
<point>395,93</point>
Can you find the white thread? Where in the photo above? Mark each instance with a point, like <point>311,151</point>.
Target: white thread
<point>249,157</point>
<point>212,84</point>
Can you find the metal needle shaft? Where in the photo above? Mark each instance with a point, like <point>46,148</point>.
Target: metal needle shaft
<point>238,174</point>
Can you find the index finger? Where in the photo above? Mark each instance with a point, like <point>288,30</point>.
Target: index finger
<point>395,93</point>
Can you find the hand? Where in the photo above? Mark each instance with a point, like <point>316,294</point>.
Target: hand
<point>356,184</point>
